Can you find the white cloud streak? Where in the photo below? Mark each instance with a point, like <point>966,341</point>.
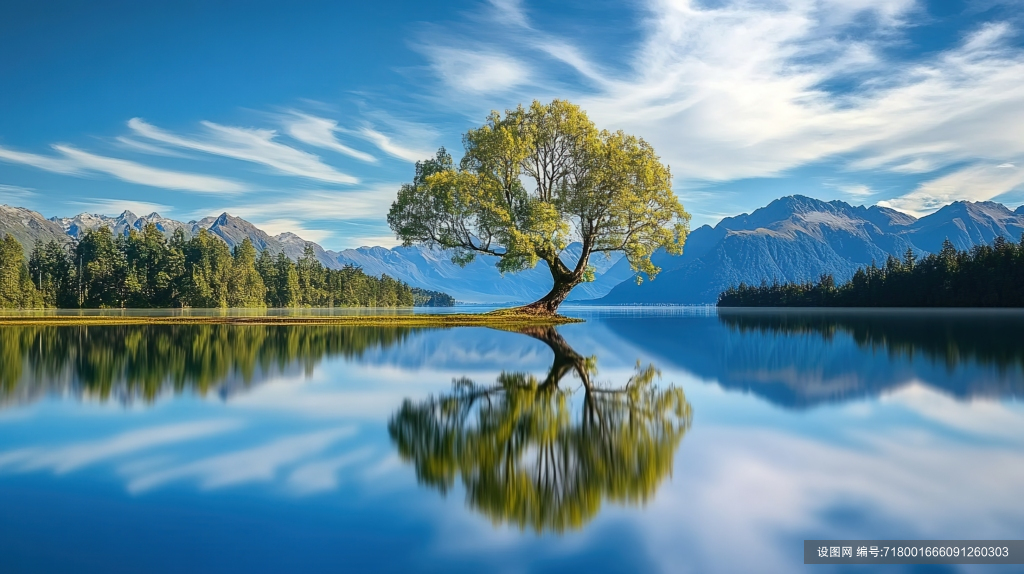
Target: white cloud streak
<point>133,172</point>
<point>389,147</point>
<point>52,164</point>
<point>78,162</point>
<point>320,132</point>
<point>738,90</point>
<point>477,72</point>
<point>977,182</point>
<point>369,203</point>
<point>252,145</point>
<point>15,193</point>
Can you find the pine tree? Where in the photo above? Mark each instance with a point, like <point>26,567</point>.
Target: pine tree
<point>12,261</point>
<point>246,288</point>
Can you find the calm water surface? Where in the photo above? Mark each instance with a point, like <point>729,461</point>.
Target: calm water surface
<point>641,440</point>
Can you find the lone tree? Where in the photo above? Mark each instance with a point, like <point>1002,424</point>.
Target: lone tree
<point>534,180</point>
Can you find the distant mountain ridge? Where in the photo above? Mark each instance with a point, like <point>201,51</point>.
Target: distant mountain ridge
<point>793,238</point>
<point>233,230</point>
<point>422,267</point>
<point>798,238</point>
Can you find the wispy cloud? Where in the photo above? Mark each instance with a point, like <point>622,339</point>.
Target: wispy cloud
<point>246,144</point>
<point>136,145</point>
<point>78,162</point>
<point>736,89</point>
<point>53,164</point>
<point>368,203</point>
<point>477,72</point>
<point>320,132</point>
<point>386,145</point>
<point>977,182</point>
<point>304,213</point>
<point>133,172</point>
<point>15,193</point>
<point>296,226</point>
<point>859,191</point>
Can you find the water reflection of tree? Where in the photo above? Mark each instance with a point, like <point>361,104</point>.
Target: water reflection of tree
<point>531,454</point>
<point>141,361</point>
<point>954,338</point>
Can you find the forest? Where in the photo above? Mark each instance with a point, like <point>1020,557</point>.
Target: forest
<point>984,276</point>
<point>133,362</point>
<point>144,269</point>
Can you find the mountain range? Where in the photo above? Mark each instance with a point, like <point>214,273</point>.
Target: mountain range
<point>799,238</point>
<point>794,238</point>
<point>432,269</point>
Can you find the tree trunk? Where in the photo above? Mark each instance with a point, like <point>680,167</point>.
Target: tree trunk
<point>548,304</point>
<point>566,358</point>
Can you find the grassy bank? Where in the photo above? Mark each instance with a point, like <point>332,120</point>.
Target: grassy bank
<point>503,320</point>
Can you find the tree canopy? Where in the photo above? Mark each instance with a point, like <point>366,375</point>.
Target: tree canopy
<point>531,453</point>
<point>532,181</point>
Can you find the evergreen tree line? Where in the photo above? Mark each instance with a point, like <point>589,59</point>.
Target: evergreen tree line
<point>143,269</point>
<point>428,298</point>
<point>955,339</point>
<point>143,361</point>
<point>984,276</point>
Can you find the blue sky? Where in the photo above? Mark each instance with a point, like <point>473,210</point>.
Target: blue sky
<point>306,117</point>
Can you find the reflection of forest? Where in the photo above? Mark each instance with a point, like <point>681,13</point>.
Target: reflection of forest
<point>954,338</point>
<point>140,362</point>
<point>534,453</point>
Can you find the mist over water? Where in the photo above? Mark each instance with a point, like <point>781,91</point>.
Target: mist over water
<point>662,439</point>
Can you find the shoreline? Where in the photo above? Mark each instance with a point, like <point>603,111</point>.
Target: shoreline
<point>411,320</point>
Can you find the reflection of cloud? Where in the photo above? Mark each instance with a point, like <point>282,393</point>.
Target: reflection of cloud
<point>980,417</point>
<point>322,475</point>
<point>751,487</point>
<point>74,456</point>
<point>260,463</point>
<point>354,404</point>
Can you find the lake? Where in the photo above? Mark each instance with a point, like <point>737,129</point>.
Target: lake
<point>645,439</point>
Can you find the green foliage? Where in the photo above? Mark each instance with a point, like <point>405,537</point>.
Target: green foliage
<point>428,298</point>
<point>532,454</point>
<point>144,270</point>
<point>141,362</point>
<point>985,276</point>
<point>609,190</point>
<point>16,288</point>
<point>208,270</point>
<point>246,287</point>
